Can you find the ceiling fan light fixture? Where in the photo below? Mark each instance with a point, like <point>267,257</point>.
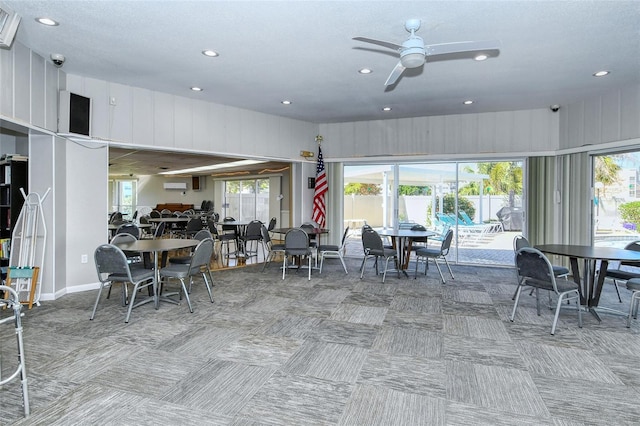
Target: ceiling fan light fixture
<point>412,60</point>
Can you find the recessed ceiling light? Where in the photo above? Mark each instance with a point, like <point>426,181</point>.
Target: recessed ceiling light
<point>196,89</point>
<point>600,73</point>
<point>386,109</point>
<point>47,21</point>
<point>285,102</point>
<point>481,57</point>
<point>365,71</point>
<point>210,53</point>
<point>468,102</point>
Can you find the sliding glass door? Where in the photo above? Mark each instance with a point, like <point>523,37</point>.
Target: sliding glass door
<point>246,200</point>
<point>480,201</point>
<point>616,199</point>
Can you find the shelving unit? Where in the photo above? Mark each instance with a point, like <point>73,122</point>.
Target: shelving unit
<point>13,176</point>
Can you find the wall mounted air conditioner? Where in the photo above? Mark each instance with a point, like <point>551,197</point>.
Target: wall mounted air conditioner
<point>175,185</point>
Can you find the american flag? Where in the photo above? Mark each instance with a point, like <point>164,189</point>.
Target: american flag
<point>319,206</point>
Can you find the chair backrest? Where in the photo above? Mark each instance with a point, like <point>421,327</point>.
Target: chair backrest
<point>201,256</point>
<point>202,234</point>
<point>155,214</point>
<point>309,226</point>
<point>272,224</point>
<point>446,243</point>
<point>213,227</point>
<point>109,259</point>
<point>129,228</point>
<point>265,236</point>
<point>135,215</point>
<point>159,230</point>
<point>296,239</point>
<point>115,217</point>
<point>532,265</point>
<point>165,213</point>
<point>203,205</point>
<point>194,224</point>
<point>254,230</point>
<point>635,246</point>
<point>227,228</point>
<point>344,238</point>
<point>371,240</point>
<point>465,218</point>
<point>519,242</point>
<point>122,238</point>
<point>144,220</point>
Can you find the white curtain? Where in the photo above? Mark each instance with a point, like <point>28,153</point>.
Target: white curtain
<point>335,203</point>
<point>559,208</point>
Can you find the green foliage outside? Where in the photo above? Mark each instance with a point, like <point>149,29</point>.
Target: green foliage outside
<point>630,212</point>
<point>362,189</point>
<point>413,190</point>
<point>449,205</point>
<point>504,177</point>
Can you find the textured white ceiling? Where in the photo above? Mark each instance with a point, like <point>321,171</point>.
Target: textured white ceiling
<point>303,51</point>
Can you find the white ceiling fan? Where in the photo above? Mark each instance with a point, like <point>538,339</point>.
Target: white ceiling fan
<point>413,52</point>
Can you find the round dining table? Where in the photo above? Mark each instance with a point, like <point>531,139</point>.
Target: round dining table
<point>402,241</point>
<point>590,287</point>
<point>157,246</point>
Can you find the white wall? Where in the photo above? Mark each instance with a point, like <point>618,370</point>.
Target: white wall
<point>612,117</point>
<point>153,119</point>
<point>460,135</point>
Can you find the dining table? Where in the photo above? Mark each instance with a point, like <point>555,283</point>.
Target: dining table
<point>310,231</point>
<point>402,240</point>
<point>590,286</point>
<point>113,228</point>
<point>156,246</point>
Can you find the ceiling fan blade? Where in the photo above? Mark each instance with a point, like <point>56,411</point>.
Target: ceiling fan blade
<point>380,43</point>
<point>395,74</point>
<point>462,46</point>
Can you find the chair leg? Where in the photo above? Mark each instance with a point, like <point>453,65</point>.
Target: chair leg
<point>448,267</point>
<point>364,259</point>
<point>95,305</point>
<point>284,265</point>
<point>321,261</point>
<point>186,294</point>
<point>435,260</point>
<point>515,304</point>
<point>343,264</point>
<point>633,306</point>
<point>310,267</point>
<point>386,266</point>
<point>615,283</point>
<point>206,283</point>
<point>555,317</point>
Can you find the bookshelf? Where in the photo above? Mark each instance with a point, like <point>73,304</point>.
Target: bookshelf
<point>13,176</point>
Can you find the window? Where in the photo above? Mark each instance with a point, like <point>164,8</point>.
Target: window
<point>247,199</point>
<point>481,201</point>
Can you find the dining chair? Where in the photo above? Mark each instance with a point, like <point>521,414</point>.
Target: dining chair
<point>112,266</point>
<point>533,269</point>
<point>333,251</point>
<point>373,248</point>
<point>633,285</point>
<point>441,252</point>
<point>129,228</point>
<point>272,249</point>
<point>199,265</point>
<point>296,243</point>
<point>253,233</point>
<point>519,241</point>
<point>624,271</point>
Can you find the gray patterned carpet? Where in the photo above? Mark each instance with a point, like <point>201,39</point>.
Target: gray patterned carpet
<point>335,350</point>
